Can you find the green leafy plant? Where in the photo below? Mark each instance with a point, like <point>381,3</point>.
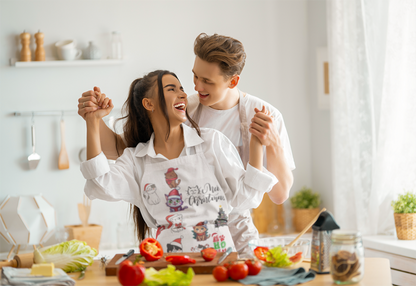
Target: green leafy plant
<point>305,199</point>
<point>405,204</point>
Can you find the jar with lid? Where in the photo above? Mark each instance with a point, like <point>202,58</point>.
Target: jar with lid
<point>116,45</point>
<point>347,257</point>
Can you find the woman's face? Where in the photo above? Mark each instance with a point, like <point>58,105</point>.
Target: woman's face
<point>210,84</point>
<point>175,98</point>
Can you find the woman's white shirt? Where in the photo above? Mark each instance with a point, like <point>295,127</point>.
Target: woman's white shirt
<point>244,189</point>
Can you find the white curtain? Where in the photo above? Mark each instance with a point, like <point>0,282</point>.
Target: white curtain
<point>372,56</point>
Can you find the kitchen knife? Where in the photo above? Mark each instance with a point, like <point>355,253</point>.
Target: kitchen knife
<point>125,256</point>
<point>226,253</point>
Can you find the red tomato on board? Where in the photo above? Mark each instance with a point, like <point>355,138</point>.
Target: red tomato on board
<point>238,271</point>
<point>208,254</point>
<point>254,266</point>
<point>220,273</point>
<point>296,258</point>
<point>130,274</point>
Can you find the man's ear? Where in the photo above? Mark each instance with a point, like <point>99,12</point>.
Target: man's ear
<point>148,104</point>
<point>234,81</point>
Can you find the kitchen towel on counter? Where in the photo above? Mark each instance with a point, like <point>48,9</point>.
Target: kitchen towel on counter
<point>272,276</point>
<point>7,278</point>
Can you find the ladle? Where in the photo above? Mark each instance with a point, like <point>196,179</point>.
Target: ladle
<point>33,158</point>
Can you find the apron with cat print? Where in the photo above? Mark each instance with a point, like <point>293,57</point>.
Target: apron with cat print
<point>189,206</point>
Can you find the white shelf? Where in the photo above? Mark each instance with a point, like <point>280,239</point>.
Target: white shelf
<point>75,63</point>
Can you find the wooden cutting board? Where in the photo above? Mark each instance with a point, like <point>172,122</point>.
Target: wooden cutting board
<point>200,267</point>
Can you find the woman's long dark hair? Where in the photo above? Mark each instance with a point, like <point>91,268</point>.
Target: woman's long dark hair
<point>138,128</point>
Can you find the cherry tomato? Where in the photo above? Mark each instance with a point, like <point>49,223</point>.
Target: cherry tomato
<point>238,271</point>
<point>208,254</point>
<point>220,273</point>
<point>130,274</point>
<point>254,266</point>
<point>260,252</point>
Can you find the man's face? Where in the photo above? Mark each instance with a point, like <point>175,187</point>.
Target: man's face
<point>210,84</point>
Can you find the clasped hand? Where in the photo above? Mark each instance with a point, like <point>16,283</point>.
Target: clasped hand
<point>94,104</point>
<point>263,128</point>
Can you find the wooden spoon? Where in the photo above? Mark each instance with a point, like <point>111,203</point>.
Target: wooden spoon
<point>286,247</point>
<point>63,161</point>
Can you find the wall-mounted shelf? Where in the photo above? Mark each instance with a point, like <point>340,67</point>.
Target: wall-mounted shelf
<point>75,63</point>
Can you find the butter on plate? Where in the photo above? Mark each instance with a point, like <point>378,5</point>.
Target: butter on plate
<point>44,269</point>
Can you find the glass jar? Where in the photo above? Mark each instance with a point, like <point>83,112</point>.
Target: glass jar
<point>116,45</point>
<point>347,257</point>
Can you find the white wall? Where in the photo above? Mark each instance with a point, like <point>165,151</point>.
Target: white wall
<point>156,35</point>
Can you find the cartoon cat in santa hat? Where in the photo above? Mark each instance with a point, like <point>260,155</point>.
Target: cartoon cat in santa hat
<point>150,194</point>
<point>171,177</point>
<point>175,245</point>
<point>174,201</point>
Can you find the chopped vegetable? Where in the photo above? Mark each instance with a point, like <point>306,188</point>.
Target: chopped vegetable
<point>70,256</point>
<point>296,258</point>
<point>260,252</point>
<point>180,259</point>
<point>168,276</point>
<point>276,257</point>
<point>151,249</point>
<point>208,254</point>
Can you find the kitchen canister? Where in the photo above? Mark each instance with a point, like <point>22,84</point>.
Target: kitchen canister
<point>92,52</point>
<point>347,257</point>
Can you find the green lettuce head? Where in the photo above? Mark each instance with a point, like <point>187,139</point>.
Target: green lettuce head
<point>70,256</point>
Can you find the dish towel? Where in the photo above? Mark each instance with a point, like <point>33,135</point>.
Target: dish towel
<point>273,276</point>
<point>12,282</point>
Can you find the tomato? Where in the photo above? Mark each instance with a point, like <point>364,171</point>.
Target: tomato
<point>220,273</point>
<point>254,266</point>
<point>238,271</point>
<point>208,254</point>
<point>260,252</point>
<point>296,258</point>
<point>130,274</point>
<point>180,259</point>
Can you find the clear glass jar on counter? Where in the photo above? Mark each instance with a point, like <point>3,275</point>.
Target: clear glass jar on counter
<point>347,257</point>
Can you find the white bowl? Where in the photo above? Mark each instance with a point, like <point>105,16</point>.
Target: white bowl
<point>302,245</point>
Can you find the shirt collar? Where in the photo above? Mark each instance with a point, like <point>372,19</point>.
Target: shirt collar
<point>190,135</point>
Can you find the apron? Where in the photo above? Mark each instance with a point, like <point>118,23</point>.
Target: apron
<point>188,204</point>
<point>244,149</point>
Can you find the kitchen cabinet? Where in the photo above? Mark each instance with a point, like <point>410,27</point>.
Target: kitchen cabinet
<point>75,63</point>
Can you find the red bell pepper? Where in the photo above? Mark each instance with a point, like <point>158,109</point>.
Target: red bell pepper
<point>151,249</point>
<point>180,259</point>
<point>260,252</point>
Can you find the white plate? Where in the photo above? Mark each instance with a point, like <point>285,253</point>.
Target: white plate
<point>10,272</point>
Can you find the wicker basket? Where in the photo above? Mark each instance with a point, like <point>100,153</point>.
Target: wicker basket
<point>301,218</point>
<point>405,226</point>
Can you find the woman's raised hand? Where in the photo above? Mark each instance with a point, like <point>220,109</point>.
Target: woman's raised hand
<point>94,104</point>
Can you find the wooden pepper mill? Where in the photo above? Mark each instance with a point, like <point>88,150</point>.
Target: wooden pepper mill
<point>25,53</point>
<point>40,50</point>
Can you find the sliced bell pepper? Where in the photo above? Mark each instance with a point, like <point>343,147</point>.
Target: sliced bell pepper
<point>260,252</point>
<point>180,259</point>
<point>151,249</point>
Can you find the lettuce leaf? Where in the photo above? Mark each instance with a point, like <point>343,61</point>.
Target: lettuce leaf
<point>276,257</point>
<point>70,256</point>
<point>168,276</point>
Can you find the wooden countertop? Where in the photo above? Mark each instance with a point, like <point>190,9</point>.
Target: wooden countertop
<point>376,273</point>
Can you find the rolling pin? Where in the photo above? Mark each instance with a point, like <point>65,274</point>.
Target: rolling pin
<point>24,260</point>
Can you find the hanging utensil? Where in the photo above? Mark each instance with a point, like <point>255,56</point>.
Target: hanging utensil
<point>63,161</point>
<point>34,158</point>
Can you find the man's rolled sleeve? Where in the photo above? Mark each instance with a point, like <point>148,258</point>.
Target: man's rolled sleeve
<point>260,180</point>
<point>95,167</point>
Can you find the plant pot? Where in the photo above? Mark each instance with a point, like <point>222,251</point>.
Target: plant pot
<point>301,218</point>
<point>91,234</point>
<point>405,226</point>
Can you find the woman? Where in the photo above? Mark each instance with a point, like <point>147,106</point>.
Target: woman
<point>220,105</point>
<point>195,173</point>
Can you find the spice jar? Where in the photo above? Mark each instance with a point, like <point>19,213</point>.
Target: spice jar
<point>347,257</point>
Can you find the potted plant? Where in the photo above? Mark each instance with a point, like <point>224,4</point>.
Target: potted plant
<point>305,205</point>
<point>405,216</point>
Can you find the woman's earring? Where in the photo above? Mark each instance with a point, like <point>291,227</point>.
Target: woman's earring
<point>153,110</point>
